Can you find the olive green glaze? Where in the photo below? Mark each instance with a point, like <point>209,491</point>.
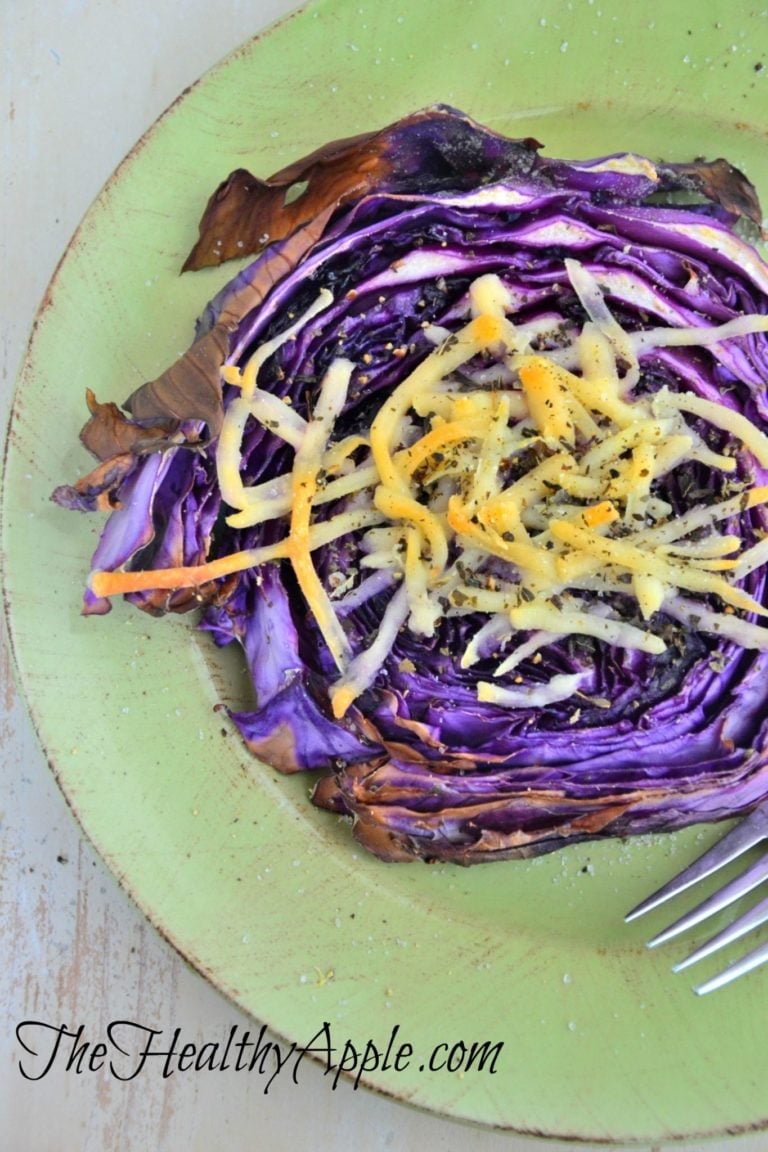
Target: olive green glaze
<point>264,894</point>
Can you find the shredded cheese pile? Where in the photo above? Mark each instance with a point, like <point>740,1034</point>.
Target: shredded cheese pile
<point>452,520</point>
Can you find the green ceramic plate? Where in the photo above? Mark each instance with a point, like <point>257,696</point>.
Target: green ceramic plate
<point>264,894</point>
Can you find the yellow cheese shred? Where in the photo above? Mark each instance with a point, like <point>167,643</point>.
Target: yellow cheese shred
<point>307,463</point>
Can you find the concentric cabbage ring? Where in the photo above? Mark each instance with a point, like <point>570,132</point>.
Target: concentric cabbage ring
<point>404,658</point>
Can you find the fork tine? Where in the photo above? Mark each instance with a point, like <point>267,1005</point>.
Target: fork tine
<point>751,919</point>
<point>743,836</point>
<point>724,896</point>
<point>747,963</point>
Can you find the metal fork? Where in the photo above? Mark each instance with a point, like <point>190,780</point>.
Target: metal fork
<point>738,840</point>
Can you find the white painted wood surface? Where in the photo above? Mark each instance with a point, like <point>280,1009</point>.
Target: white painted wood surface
<point>81,81</point>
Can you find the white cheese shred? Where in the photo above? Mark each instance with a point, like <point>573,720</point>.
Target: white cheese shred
<point>559,688</point>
